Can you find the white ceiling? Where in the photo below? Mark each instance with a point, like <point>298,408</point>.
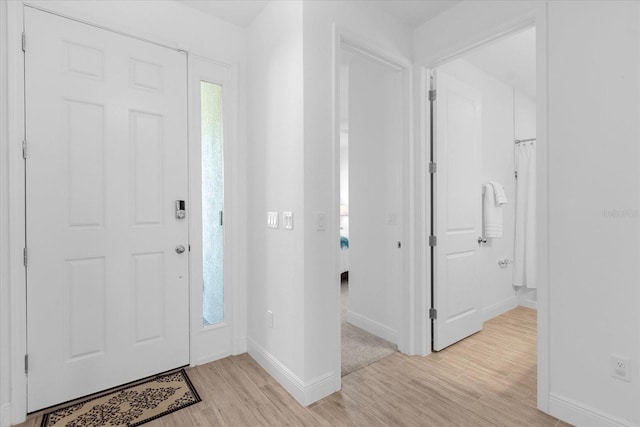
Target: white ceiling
<point>238,12</point>
<point>413,12</point>
<point>511,60</point>
<point>243,12</point>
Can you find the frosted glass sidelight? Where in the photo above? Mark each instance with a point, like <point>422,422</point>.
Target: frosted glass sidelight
<point>212,203</point>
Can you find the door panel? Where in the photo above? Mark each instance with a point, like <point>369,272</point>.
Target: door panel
<point>375,136</point>
<point>458,192</point>
<point>107,293</point>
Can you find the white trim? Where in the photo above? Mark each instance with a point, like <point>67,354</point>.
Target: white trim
<point>373,327</point>
<point>15,96</point>
<point>499,308</point>
<point>304,392</point>
<point>582,415</point>
<point>5,415</point>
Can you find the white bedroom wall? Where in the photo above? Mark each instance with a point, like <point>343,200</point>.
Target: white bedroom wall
<point>525,128</point>
<point>497,165</point>
<point>275,184</point>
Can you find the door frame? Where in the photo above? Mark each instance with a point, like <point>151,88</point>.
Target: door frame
<point>536,18</point>
<point>344,38</point>
<point>15,411</point>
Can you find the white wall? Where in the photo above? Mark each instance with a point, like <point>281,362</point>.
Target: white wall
<point>497,148</point>
<point>321,160</point>
<point>587,263</point>
<point>594,165</point>
<point>525,128</point>
<point>166,22</point>
<point>275,182</point>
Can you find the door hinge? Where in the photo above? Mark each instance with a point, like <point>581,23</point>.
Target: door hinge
<point>433,314</point>
<point>24,42</point>
<point>24,256</point>
<point>221,219</point>
<point>24,149</point>
<point>433,167</point>
<point>433,240</point>
<point>432,95</point>
<point>515,173</point>
<point>26,363</point>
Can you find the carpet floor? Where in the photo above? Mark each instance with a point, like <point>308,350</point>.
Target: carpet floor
<point>359,347</point>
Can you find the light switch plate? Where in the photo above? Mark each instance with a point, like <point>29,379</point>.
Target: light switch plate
<point>287,220</point>
<point>321,221</point>
<point>272,219</point>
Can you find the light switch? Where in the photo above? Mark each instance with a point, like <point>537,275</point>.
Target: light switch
<point>272,219</point>
<point>321,222</point>
<point>287,220</point>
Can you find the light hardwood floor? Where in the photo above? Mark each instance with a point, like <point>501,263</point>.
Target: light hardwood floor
<point>488,379</point>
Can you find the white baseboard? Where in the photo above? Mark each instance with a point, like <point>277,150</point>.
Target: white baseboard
<point>500,307</point>
<point>212,358</point>
<point>578,414</point>
<point>373,327</point>
<point>304,392</point>
<point>240,345</point>
<point>529,303</point>
<point>5,415</point>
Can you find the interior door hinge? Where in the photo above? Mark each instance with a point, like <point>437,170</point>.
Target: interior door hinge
<point>433,313</point>
<point>24,149</point>
<point>433,240</point>
<point>221,218</point>
<point>516,174</point>
<point>24,42</point>
<point>433,167</point>
<point>24,256</point>
<point>432,95</point>
<point>26,363</point>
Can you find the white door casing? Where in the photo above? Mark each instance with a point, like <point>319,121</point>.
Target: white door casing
<point>106,129</point>
<point>458,214</point>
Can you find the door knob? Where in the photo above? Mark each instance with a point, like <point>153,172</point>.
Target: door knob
<point>180,249</point>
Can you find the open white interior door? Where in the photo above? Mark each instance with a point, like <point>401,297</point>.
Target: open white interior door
<point>457,292</point>
<point>107,274</point>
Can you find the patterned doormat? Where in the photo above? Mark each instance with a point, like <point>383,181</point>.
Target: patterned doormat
<point>129,406</point>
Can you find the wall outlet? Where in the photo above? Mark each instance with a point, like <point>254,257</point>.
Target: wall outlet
<point>269,319</point>
<point>621,368</point>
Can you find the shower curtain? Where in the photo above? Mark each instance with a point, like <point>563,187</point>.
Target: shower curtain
<point>524,263</point>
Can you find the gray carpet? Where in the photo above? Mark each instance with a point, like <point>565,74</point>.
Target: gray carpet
<point>359,347</point>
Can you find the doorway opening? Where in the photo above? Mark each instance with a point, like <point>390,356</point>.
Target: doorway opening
<point>483,187</point>
<point>371,207</point>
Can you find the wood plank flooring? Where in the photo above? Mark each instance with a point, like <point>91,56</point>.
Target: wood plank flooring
<point>488,379</point>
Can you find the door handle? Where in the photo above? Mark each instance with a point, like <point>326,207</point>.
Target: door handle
<point>481,240</point>
<point>180,249</point>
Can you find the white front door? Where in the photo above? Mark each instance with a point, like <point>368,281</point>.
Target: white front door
<point>107,290</point>
<point>458,204</point>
